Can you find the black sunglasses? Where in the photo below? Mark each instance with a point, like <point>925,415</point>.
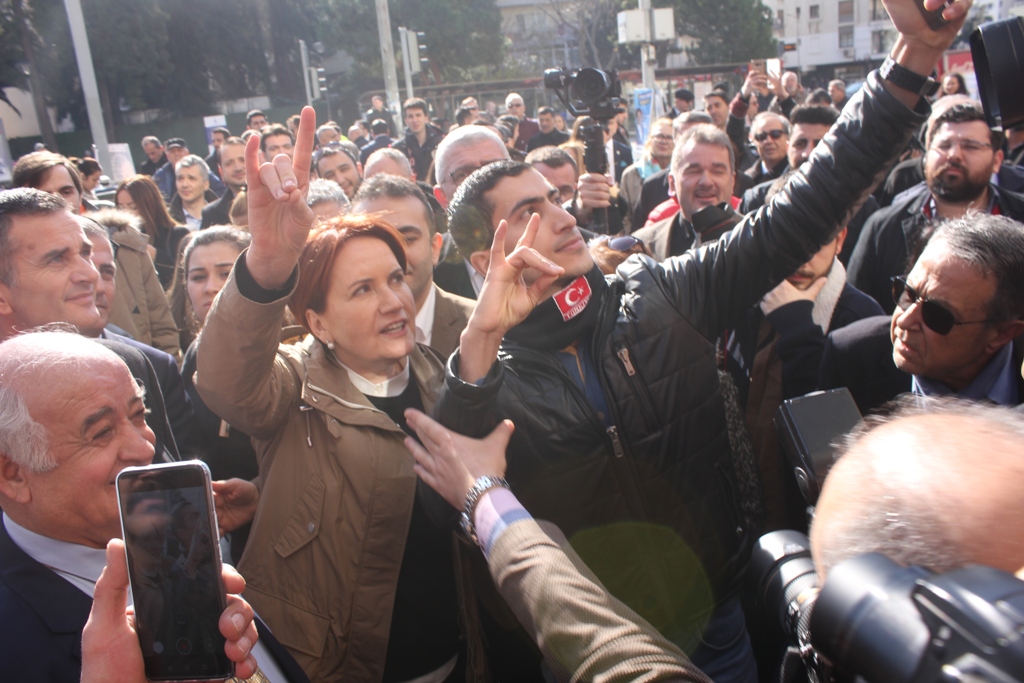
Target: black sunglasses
<point>773,134</point>
<point>937,317</point>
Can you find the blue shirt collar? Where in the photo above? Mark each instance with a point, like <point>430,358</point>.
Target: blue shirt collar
<point>997,382</point>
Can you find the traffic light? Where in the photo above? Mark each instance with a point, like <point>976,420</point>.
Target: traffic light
<point>415,46</point>
<point>317,82</point>
<point>321,80</point>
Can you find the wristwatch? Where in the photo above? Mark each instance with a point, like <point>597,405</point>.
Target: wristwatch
<point>907,79</point>
<point>481,486</point>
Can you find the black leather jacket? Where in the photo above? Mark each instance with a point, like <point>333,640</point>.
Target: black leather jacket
<point>651,503</point>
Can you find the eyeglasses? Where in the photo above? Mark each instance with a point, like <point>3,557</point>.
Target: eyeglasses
<point>514,104</point>
<point>773,134</point>
<point>463,172</point>
<point>970,146</point>
<point>937,317</point>
<point>623,243</point>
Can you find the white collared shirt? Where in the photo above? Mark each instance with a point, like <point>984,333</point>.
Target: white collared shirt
<point>476,278</point>
<point>393,386</point>
<point>425,318</point>
<point>191,222</point>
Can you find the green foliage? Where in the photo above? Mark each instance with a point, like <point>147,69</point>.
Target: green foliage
<point>729,31</point>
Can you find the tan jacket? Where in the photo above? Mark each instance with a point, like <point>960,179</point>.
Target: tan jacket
<point>338,488</point>
<point>140,306</point>
<point>584,632</point>
<point>451,313</point>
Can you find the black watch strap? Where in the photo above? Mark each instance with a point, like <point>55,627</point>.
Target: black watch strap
<point>907,79</point>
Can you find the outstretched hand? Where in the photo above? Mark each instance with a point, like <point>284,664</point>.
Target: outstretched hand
<point>449,463</point>
<point>279,219</point>
<point>914,29</point>
<point>236,501</point>
<point>505,299</point>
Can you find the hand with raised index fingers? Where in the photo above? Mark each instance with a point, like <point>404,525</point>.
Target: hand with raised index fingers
<point>907,18</point>
<point>279,219</point>
<point>505,299</point>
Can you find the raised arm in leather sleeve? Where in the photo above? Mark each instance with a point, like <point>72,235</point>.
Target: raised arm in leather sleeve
<point>469,409</point>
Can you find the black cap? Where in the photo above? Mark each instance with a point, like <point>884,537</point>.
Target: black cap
<point>175,142</point>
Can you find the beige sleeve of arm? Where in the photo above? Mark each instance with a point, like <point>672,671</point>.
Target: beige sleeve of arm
<point>584,632</point>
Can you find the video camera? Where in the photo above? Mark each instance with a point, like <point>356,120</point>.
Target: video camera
<point>597,94</point>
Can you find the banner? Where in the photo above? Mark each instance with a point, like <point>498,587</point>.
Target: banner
<point>121,161</point>
<point>211,122</point>
<point>643,111</point>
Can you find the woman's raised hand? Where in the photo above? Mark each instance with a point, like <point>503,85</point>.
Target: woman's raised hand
<point>279,219</point>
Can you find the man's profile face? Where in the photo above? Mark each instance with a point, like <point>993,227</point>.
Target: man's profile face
<point>683,106</point>
<point>772,150</point>
<point>462,159</point>
<point>953,358</point>
<point>190,183</point>
<point>516,199</point>
<point>55,280</point>
<point>837,93</point>
<point>152,151</point>
<point>341,169</point>
<point>960,161</point>
<point>103,261</point>
<point>257,122</point>
<point>704,178</point>
<point>803,138</point>
<point>562,178</point>
<point>57,180</point>
<point>416,119</point>
<point>329,135</point>
<point>96,426</point>
<point>232,166</point>
<point>717,109</point>
<point>422,251</point>
<point>278,144</point>
<point>546,122</point>
<point>820,264</point>
<point>218,140</point>
<point>176,154</point>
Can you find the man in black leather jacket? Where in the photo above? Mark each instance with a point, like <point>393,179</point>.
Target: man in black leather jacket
<point>621,433</point>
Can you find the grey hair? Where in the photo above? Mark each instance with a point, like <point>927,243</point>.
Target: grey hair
<point>193,160</point>
<point>687,119</point>
<point>93,230</point>
<point>22,439</point>
<point>908,528</point>
<point>321,190</point>
<point>391,153</point>
<point>995,246</point>
<point>462,136</point>
<point>151,140</point>
<point>771,115</point>
<point>704,134</point>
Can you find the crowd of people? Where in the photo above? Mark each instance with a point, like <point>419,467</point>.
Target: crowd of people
<point>393,351</point>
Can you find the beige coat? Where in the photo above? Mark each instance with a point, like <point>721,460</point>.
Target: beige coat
<point>338,489</point>
<point>140,306</point>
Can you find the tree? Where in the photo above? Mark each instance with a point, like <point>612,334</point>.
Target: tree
<point>18,42</point>
<point>729,31</point>
<point>594,24</point>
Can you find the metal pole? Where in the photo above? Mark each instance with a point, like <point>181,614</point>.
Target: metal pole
<point>92,92</point>
<point>403,38</point>
<point>387,58</point>
<point>304,52</point>
<point>647,50</point>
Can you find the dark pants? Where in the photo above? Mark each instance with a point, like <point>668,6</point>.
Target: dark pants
<point>725,654</point>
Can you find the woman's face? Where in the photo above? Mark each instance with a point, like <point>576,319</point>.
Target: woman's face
<point>90,181</point>
<point>950,86</point>
<point>126,203</point>
<point>370,315</point>
<point>208,268</point>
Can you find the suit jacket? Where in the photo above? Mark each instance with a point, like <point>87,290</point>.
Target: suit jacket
<point>653,192</point>
<point>42,617</point>
<point>218,212</point>
<point>584,632</point>
<point>453,278</point>
<point>623,158</point>
<point>527,129</point>
<point>451,313</point>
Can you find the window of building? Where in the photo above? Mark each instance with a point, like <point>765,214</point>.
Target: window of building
<point>845,36</point>
<point>882,41</point>
<point>814,12</point>
<point>878,12</point>
<point>845,11</point>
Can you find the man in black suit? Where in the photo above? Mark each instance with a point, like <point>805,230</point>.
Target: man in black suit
<point>956,328</point>
<point>72,419</point>
<point>232,172</point>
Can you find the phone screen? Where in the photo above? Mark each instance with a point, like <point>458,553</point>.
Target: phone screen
<point>757,66</point>
<point>174,567</point>
<point>774,67</point>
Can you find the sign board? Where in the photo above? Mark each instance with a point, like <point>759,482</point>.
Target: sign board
<point>633,27</point>
<point>122,166</point>
<point>209,123</point>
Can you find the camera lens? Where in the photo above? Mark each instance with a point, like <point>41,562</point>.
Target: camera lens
<point>782,563</point>
<point>591,85</point>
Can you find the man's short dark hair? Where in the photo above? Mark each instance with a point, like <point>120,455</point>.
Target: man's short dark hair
<point>415,103</point>
<point>464,115</point>
<point>819,96</point>
<point>813,114</point>
<point>684,94</point>
<point>31,169</point>
<point>379,127</point>
<point>471,213</point>
<point>551,156</point>
<point>995,246</point>
<point>964,112</point>
<point>252,114</point>
<point>18,203</point>
<point>387,186</point>
<point>721,94</point>
<point>223,131</point>
<point>272,130</point>
<point>545,110</point>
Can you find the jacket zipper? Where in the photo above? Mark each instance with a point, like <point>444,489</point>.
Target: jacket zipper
<point>646,405</point>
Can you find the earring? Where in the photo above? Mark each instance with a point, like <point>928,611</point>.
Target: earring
<point>330,345</point>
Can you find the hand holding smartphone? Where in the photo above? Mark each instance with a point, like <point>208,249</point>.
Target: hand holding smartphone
<point>174,567</point>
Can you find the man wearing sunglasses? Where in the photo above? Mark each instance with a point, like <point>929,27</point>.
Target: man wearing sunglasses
<point>770,134</point>
<point>955,330</point>
<point>962,155</point>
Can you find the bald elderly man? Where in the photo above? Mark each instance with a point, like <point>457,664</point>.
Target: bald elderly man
<point>71,418</point>
<point>908,487</point>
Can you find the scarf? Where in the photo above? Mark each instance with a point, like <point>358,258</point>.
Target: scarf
<point>568,315</point>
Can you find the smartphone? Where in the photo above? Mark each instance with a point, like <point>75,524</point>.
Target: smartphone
<point>773,67</point>
<point>174,566</point>
<point>934,17</point>
<point>757,66</point>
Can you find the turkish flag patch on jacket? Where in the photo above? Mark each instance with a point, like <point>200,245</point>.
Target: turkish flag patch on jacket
<point>573,299</point>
